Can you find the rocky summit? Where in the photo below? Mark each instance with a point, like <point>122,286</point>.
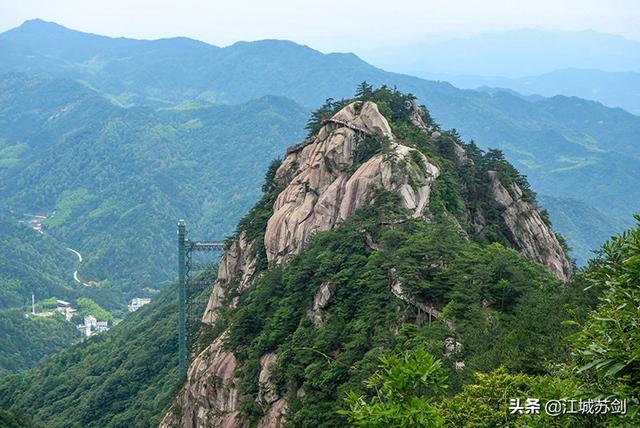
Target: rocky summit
<point>318,186</point>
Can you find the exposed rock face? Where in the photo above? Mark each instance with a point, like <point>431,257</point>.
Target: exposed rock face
<point>416,117</point>
<point>322,187</point>
<point>320,301</point>
<point>527,232</point>
<point>267,393</point>
<point>321,191</point>
<point>267,396</point>
<point>237,263</point>
<point>460,154</point>
<point>210,398</point>
<point>274,418</point>
<point>451,346</point>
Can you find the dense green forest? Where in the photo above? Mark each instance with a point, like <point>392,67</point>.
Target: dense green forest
<point>140,171</point>
<point>10,420</point>
<point>522,332</point>
<point>31,263</point>
<point>568,147</point>
<point>25,341</point>
<point>122,378</point>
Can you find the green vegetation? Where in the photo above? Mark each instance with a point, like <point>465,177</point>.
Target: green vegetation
<point>330,360</point>
<point>484,402</point>
<point>25,341</point>
<point>405,386</point>
<point>10,420</point>
<point>608,347</point>
<point>89,307</point>
<point>603,364</point>
<point>125,377</point>
<point>374,359</point>
<point>139,172</point>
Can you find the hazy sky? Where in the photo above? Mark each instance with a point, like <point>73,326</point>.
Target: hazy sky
<point>329,25</point>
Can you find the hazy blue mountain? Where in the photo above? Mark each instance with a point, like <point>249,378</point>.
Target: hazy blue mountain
<point>613,89</point>
<point>515,53</point>
<point>568,147</point>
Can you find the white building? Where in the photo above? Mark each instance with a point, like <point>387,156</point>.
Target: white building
<point>101,326</point>
<point>92,326</point>
<point>62,306</point>
<point>86,331</point>
<point>90,321</point>
<point>137,303</point>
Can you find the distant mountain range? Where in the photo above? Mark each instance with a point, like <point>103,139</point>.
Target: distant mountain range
<point>586,64</point>
<point>569,147</point>
<point>512,54</point>
<point>613,89</point>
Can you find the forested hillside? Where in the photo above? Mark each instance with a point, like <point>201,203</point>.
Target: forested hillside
<point>25,341</point>
<point>366,319</point>
<point>568,147</point>
<point>31,263</point>
<point>125,377</point>
<point>383,296</point>
<point>113,181</point>
<point>574,217</point>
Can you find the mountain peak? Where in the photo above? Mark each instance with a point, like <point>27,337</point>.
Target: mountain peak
<point>354,177</point>
<point>37,26</point>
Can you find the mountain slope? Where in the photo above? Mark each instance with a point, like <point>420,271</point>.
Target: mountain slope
<point>31,263</point>
<point>124,377</point>
<point>369,228</point>
<point>571,218</point>
<point>374,282</point>
<point>589,152</point>
<point>138,170</point>
<point>25,341</point>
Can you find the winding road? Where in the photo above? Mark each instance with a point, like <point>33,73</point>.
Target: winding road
<point>76,277</point>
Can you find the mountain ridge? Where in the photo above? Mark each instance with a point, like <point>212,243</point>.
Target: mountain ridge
<point>340,172</point>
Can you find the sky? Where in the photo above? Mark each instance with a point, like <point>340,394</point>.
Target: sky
<point>329,25</point>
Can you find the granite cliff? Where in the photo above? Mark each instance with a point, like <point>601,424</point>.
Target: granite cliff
<point>319,184</point>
